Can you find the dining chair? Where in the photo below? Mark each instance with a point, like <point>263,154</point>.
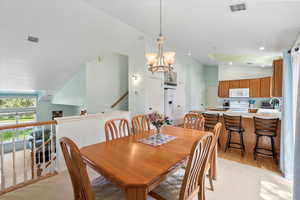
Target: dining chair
<point>83,188</point>
<point>185,184</point>
<point>116,128</point>
<point>193,121</point>
<point>140,123</point>
<point>211,166</point>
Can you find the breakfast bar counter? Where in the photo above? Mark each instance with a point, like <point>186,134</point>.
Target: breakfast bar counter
<point>249,135</point>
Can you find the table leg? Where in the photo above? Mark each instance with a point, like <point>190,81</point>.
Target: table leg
<point>136,193</point>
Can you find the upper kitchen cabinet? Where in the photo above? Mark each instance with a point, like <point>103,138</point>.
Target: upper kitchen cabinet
<point>265,87</point>
<point>245,83</point>
<point>223,89</point>
<point>234,84</point>
<point>277,78</point>
<point>255,87</point>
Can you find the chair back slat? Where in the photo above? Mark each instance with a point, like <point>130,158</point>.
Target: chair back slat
<point>140,123</point>
<point>210,120</point>
<point>116,128</point>
<point>265,125</point>
<point>195,170</point>
<point>193,121</point>
<point>77,169</point>
<point>232,121</point>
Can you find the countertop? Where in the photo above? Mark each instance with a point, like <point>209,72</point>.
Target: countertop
<point>245,114</point>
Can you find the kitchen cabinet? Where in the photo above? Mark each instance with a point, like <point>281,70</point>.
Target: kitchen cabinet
<point>265,87</point>
<point>259,87</point>
<point>234,84</point>
<point>223,89</point>
<point>255,87</point>
<point>244,83</point>
<point>277,78</point>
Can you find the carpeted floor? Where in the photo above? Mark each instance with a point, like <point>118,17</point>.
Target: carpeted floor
<point>235,182</point>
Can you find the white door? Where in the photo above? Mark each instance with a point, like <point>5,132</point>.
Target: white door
<point>154,94</point>
<point>180,108</point>
<point>170,102</point>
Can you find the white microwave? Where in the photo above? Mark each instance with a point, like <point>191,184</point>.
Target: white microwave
<point>239,92</point>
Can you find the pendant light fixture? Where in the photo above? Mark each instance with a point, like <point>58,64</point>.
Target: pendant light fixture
<point>160,61</point>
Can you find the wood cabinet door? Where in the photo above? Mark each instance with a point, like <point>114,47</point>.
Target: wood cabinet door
<point>277,78</point>
<point>223,88</point>
<point>245,83</point>
<point>234,84</point>
<point>265,87</point>
<point>255,87</point>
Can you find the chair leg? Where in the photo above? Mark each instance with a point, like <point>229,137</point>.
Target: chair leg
<point>210,177</point>
<point>213,165</point>
<point>255,148</point>
<point>201,193</point>
<point>228,140</point>
<point>273,148</point>
<point>242,143</point>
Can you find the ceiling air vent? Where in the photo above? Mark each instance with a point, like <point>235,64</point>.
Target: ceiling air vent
<point>238,7</point>
<point>33,39</point>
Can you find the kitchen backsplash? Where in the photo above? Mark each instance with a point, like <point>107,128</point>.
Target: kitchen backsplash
<point>257,104</point>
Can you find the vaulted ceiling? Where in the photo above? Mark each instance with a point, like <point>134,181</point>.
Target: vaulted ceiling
<point>70,32</point>
<point>209,31</point>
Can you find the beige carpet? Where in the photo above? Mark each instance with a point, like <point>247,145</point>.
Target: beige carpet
<point>235,182</point>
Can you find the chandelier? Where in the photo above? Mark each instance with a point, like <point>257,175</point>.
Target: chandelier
<point>160,61</point>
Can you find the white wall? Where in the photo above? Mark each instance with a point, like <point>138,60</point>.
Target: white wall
<point>194,79</point>
<point>228,72</point>
<point>45,108</point>
<point>211,80</point>
<point>84,130</point>
<point>107,81</point>
<point>74,91</point>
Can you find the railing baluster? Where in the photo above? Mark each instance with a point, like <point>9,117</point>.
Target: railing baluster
<point>25,155</point>
<point>33,155</point>
<point>2,163</point>
<point>14,157</point>
<point>42,156</point>
<point>52,148</point>
<point>43,149</point>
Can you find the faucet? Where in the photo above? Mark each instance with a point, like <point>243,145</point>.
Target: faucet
<point>275,101</point>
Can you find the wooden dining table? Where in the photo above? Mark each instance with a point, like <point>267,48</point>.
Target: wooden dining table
<point>138,168</point>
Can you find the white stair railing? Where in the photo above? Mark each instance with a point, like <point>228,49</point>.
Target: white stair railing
<point>28,152</point>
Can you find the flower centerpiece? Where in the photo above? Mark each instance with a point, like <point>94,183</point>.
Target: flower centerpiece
<point>158,120</point>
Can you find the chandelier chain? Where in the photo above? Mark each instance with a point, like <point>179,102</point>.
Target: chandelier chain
<point>160,19</point>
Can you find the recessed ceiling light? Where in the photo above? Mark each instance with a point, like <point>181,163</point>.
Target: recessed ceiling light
<point>189,53</point>
<point>230,63</point>
<point>262,48</point>
<point>238,7</point>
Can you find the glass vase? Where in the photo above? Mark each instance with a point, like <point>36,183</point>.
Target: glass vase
<point>158,134</point>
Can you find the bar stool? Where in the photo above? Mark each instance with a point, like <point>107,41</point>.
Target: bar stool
<point>210,121</point>
<point>233,124</point>
<point>265,128</point>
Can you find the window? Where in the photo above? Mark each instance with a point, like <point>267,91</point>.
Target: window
<point>16,110</point>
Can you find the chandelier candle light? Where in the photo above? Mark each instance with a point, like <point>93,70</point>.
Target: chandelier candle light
<point>161,61</point>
